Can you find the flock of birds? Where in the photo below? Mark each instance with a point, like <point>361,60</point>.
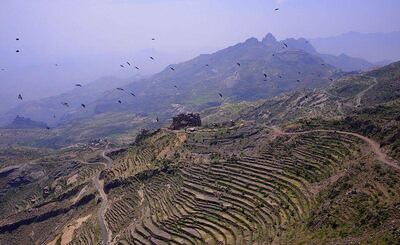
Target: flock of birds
<point>128,64</point>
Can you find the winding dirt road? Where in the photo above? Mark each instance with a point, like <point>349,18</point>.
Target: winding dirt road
<point>101,213</point>
<point>374,146</point>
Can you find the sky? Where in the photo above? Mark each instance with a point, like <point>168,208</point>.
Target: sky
<point>54,28</point>
<point>90,38</point>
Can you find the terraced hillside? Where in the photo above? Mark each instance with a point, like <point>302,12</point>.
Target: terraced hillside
<point>204,196</point>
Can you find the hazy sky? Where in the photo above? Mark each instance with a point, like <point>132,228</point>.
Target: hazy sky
<point>53,28</point>
<point>89,38</point>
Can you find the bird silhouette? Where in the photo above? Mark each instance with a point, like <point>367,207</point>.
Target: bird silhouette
<point>17,39</point>
<point>133,94</point>
<point>276,9</point>
<point>220,95</point>
<point>122,66</point>
<point>157,119</point>
<point>121,89</point>
<point>20,97</point>
<point>78,85</point>
<point>137,68</point>
<point>65,104</point>
<point>119,101</point>
<point>151,58</point>
<point>173,69</point>
<point>129,64</point>
<point>175,86</point>
<point>285,45</point>
<point>153,39</point>
<point>47,127</point>
<point>265,75</point>
<point>83,105</point>
<point>17,51</point>
<point>207,65</point>
<point>238,63</point>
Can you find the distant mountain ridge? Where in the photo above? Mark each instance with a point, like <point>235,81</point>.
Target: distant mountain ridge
<point>247,71</point>
<point>237,72</point>
<point>380,48</point>
<point>342,61</point>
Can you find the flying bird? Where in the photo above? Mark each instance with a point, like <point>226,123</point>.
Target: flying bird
<point>83,105</point>
<point>137,68</point>
<point>265,75</point>
<point>220,95</point>
<point>285,45</point>
<point>172,68</point>
<point>119,101</point>
<point>20,97</point>
<point>78,85</point>
<point>121,89</point>
<point>17,51</point>
<point>122,66</point>
<point>65,104</point>
<point>133,94</point>
<point>47,127</point>
<point>238,63</point>
<point>175,86</point>
<point>276,9</point>
<point>153,39</point>
<point>298,80</point>
<point>17,39</point>
<point>207,65</point>
<point>128,63</point>
<point>151,58</point>
<point>157,119</point>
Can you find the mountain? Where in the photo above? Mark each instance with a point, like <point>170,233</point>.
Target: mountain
<point>374,47</point>
<point>53,112</point>
<point>37,78</point>
<point>342,61</point>
<point>198,83</point>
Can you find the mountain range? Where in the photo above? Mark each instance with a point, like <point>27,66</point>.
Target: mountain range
<point>379,48</point>
<point>247,71</point>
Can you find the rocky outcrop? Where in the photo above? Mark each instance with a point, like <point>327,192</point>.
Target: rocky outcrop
<point>185,120</point>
